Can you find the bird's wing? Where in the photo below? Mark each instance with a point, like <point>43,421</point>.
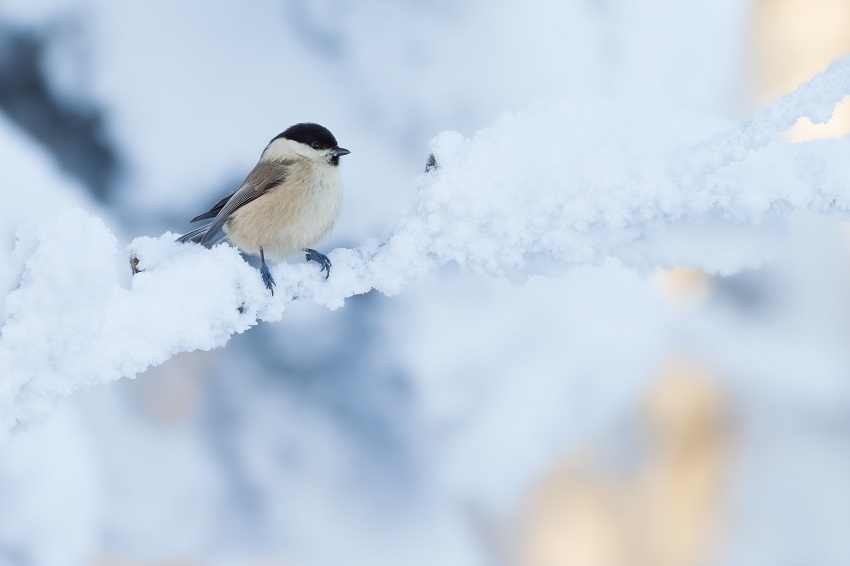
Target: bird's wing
<point>262,179</point>
<point>214,210</point>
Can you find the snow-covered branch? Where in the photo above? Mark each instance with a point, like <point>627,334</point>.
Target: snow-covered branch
<point>566,183</point>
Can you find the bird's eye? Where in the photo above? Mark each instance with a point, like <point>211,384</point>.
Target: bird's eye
<point>316,145</point>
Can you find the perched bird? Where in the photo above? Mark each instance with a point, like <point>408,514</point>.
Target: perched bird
<point>288,202</point>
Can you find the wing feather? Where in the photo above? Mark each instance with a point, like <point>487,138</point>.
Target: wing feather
<point>262,179</point>
<point>215,209</point>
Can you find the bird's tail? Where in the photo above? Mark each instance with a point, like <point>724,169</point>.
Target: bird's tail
<point>197,235</point>
<point>193,236</point>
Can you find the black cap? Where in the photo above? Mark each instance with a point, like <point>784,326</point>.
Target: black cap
<point>309,134</point>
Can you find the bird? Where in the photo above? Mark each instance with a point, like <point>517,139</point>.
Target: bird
<point>288,203</point>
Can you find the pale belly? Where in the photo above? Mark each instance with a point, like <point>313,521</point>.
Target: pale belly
<point>285,222</point>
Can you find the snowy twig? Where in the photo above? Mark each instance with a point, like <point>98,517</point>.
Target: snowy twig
<point>570,183</point>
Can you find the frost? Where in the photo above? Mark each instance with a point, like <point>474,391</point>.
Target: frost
<point>568,183</point>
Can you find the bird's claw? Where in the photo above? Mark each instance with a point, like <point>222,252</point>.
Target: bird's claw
<point>267,277</point>
<point>321,259</point>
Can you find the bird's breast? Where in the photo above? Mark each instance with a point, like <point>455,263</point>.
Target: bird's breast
<point>290,217</point>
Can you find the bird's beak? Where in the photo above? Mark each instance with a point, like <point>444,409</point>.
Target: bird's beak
<point>339,151</point>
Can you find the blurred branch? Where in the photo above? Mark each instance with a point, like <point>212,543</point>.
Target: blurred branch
<point>71,131</point>
<point>495,205</point>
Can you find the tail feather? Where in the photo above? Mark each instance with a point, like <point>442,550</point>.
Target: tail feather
<point>193,236</point>
<point>198,234</point>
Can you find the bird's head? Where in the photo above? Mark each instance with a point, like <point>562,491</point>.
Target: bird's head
<point>308,140</point>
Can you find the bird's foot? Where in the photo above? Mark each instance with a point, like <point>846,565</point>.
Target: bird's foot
<point>321,259</point>
<point>264,271</point>
<point>267,277</point>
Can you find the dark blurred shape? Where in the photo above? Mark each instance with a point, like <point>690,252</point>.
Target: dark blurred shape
<point>72,131</point>
<point>753,293</point>
<point>336,373</point>
<point>346,375</point>
<point>431,164</point>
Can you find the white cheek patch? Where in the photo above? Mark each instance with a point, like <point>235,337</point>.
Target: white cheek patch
<point>282,148</point>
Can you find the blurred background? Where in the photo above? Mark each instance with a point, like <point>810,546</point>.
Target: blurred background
<point>599,418</point>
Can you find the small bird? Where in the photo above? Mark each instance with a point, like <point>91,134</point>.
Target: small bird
<point>288,202</point>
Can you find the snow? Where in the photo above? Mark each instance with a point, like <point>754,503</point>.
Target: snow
<point>557,181</point>
<point>386,77</point>
<point>521,322</point>
<point>33,188</point>
<point>30,483</point>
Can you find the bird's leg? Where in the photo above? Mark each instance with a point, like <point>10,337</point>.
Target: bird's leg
<point>321,259</point>
<point>264,271</point>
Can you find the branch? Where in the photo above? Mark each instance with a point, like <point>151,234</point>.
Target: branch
<point>561,184</point>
